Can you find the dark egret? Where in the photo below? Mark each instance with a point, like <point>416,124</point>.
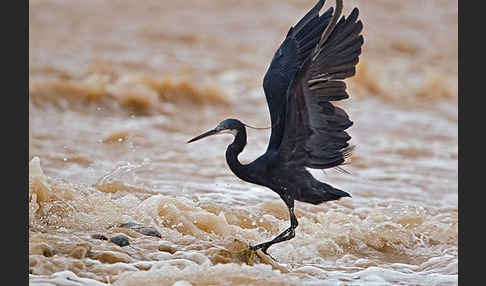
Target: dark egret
<point>305,75</point>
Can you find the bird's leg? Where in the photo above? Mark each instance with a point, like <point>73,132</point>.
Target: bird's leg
<point>287,234</point>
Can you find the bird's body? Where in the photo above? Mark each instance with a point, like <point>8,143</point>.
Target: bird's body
<point>308,131</point>
<point>268,170</point>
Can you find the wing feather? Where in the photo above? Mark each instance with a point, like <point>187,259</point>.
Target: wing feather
<point>299,43</point>
<point>314,135</point>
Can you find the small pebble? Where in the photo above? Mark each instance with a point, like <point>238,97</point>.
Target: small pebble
<point>167,248</point>
<point>150,231</point>
<point>120,239</point>
<point>99,236</point>
<point>80,251</point>
<point>42,249</point>
<point>111,257</point>
<point>143,266</point>
<point>140,228</point>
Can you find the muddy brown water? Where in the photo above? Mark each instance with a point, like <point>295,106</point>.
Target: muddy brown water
<point>118,87</point>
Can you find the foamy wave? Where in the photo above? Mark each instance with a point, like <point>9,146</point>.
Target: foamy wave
<point>379,228</point>
<point>59,203</point>
<point>201,242</point>
<point>63,278</point>
<point>135,92</point>
<point>198,270</point>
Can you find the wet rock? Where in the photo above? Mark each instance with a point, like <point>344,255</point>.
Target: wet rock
<point>41,248</point>
<point>143,266</point>
<point>33,260</point>
<point>111,257</point>
<point>99,236</point>
<point>150,231</point>
<point>140,228</point>
<point>80,251</point>
<point>120,239</point>
<point>167,248</point>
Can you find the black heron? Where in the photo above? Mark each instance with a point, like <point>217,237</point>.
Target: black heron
<point>308,131</point>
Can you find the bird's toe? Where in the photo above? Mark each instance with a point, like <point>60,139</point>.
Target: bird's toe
<point>251,256</point>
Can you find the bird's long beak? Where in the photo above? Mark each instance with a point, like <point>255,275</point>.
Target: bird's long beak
<point>209,133</point>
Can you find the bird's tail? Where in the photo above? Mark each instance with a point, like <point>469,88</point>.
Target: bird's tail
<point>321,192</point>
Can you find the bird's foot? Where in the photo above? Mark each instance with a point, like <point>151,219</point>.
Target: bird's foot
<point>246,253</point>
<point>249,252</point>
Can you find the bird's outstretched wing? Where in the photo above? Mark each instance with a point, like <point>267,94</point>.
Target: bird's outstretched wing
<point>314,135</point>
<point>287,60</point>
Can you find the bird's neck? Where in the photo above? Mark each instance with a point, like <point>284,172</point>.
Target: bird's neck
<point>232,152</point>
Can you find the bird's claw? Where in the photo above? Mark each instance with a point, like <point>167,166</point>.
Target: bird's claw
<point>248,253</point>
<point>252,254</point>
<point>251,251</point>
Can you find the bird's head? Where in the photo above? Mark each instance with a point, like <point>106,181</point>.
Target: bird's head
<point>230,125</point>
